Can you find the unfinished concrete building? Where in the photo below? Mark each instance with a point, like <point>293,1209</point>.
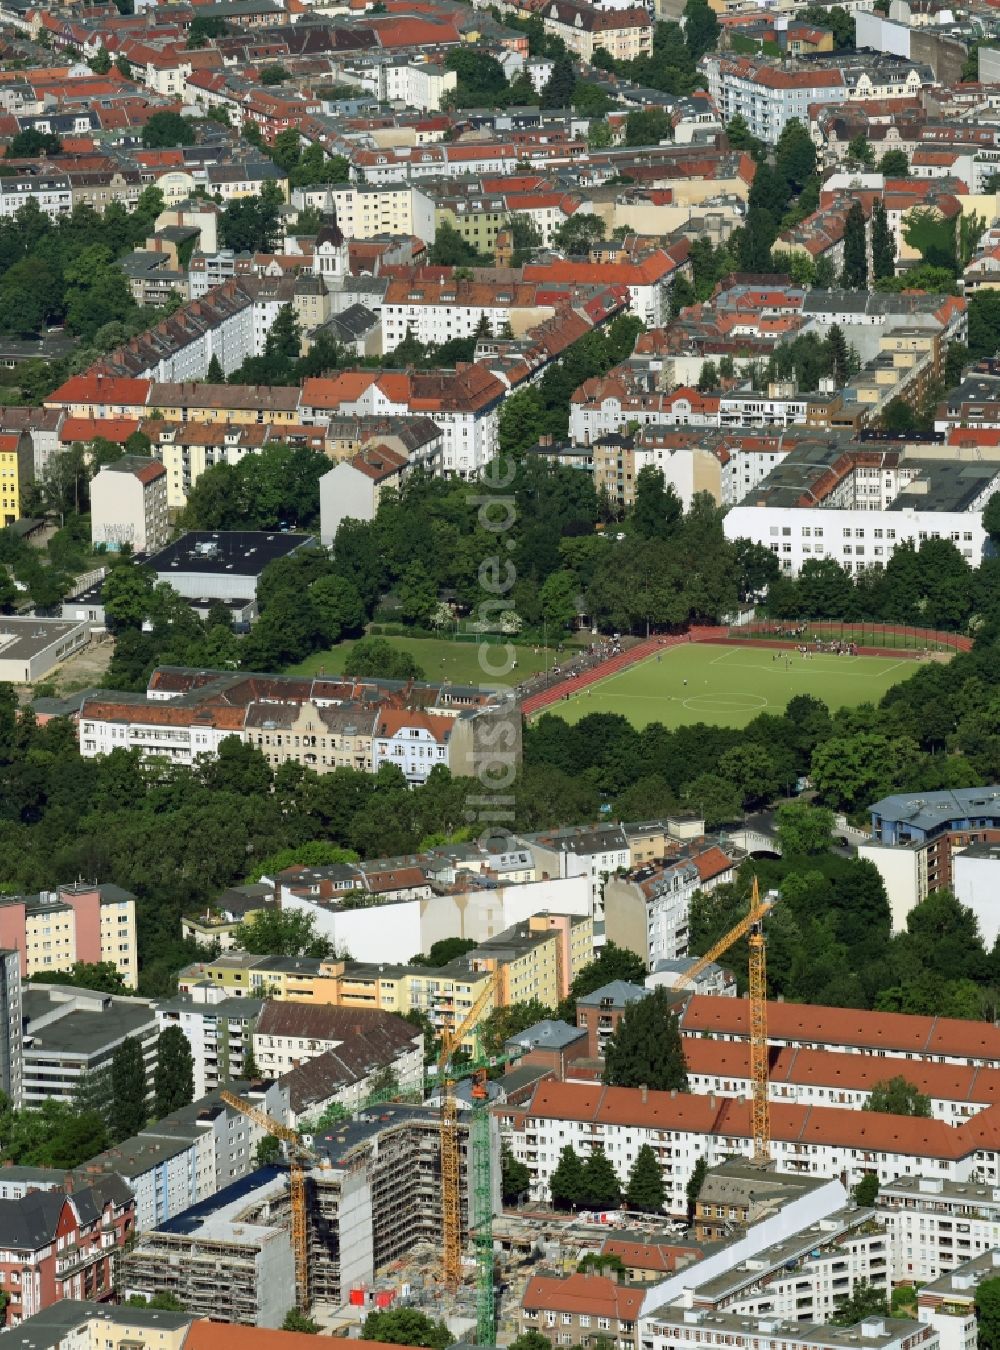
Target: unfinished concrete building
<point>374,1195</point>
<point>228,1258</point>
<point>378,1194</point>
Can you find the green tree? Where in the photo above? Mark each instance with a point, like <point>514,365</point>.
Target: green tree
<point>613,963</point>
<point>498,1026</point>
<point>165,130</point>
<point>865,1301</point>
<point>443,951</point>
<point>601,1189</point>
<point>860,154</point>
<point>128,1089</point>
<point>559,87</point>
<point>530,1340</point>
<point>299,1321</point>
<point>645,1190</point>
<point>855,274</point>
<point>795,155</point>
<point>804,830</point>
<point>883,244</point>
<point>281,932</point>
<point>988,1314</point>
<point>580,233</point>
<point>898,1097</point>
<point>694,1184</point>
<point>374,656</point>
<point>866,1191</point>
<point>568,1180</point>
<point>701,28</point>
<point>515,1178</point>
<point>646,1049</point>
<point>274,73</point>
<point>894,164</point>
<point>648,126</point>
<point>103,976</point>
<point>658,510</point>
<point>406,1326</point>
<point>31,144</point>
<point>100,63</point>
<point>173,1080</point>
<point>558,600</point>
<point>268,1151</point>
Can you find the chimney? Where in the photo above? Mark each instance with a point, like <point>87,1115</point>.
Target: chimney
<point>645,1094</point>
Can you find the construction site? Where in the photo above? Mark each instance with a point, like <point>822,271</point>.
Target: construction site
<point>402,1203</point>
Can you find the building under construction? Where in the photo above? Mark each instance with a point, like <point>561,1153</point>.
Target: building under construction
<point>374,1195</point>
<point>378,1195</point>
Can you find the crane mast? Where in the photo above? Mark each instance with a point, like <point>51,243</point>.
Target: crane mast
<point>751,926</point>
<point>298,1156</point>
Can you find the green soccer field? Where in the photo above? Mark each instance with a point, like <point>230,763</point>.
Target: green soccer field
<point>729,686</point>
<point>439,659</point>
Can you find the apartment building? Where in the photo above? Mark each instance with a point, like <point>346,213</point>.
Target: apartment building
<point>128,505</point>
<point>51,192</point>
<point>647,279</point>
<point>943,499</point>
<point>810,1141</point>
<point>70,1034</point>
<point>56,1245</point>
<point>228,1258</point>
<point>892,1037</point>
<point>622,33</point>
<point>684,1328</point>
<point>11,1030</point>
<point>647,909</point>
<point>185,715</point>
<point>375,1196</point>
<point>915,842</point>
<point>594,852</point>
<point>289,1034</point>
<point>826,1078</point>
<point>464,403</point>
<point>936,1225</point>
<point>17,470</point>
<point>220,1034</point>
<point>540,958</point>
<point>366,210</point>
<point>599,1013</point>
<point>578,1310</point>
<point>78,921</point>
<point>192,1154</point>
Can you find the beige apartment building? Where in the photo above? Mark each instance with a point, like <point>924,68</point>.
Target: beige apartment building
<point>80,922</point>
<point>337,737</point>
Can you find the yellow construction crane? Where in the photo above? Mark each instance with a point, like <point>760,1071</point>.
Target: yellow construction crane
<point>451,1186</point>
<point>751,927</point>
<point>298,1157</point>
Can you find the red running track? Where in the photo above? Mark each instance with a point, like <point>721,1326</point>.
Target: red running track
<point>574,683</point>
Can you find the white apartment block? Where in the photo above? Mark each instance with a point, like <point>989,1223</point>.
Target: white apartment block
<point>415,83</point>
<point>766,97</point>
<point>219,1033</point>
<point>857,538</point>
<point>936,1225</point>
<point>686,1328</point>
<point>948,1304</point>
<point>51,192</point>
<point>364,211</point>
<point>172,734</point>
<point>128,505</point>
<point>593,852</point>
<point>821,1078</point>
<point>681,1128</point>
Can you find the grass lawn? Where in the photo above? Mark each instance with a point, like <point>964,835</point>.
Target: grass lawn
<point>439,659</point>
<point>729,686</point>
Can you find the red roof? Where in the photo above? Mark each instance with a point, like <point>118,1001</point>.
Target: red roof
<point>102,390</point>
<point>117,429</point>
